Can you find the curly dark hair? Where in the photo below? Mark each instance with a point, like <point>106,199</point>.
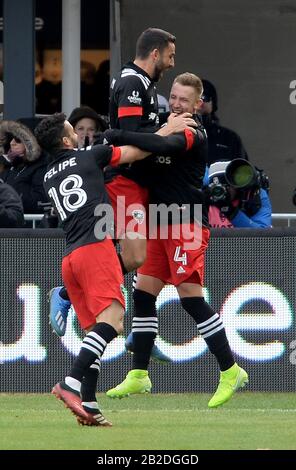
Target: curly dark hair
<point>50,132</point>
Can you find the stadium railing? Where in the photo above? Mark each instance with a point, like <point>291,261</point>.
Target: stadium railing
<point>288,217</point>
<point>33,218</point>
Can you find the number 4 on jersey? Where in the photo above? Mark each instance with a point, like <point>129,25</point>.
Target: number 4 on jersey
<point>182,258</point>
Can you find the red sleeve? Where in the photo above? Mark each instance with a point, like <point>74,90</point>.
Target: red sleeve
<point>189,136</point>
<point>126,111</point>
<point>116,154</point>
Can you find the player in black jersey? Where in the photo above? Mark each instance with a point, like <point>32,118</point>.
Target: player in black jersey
<point>134,107</point>
<point>175,253</point>
<point>91,271</point>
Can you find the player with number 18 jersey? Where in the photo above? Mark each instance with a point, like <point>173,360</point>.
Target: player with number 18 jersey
<point>75,184</point>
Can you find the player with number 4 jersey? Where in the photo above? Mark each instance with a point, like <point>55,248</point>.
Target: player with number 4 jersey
<point>176,254</point>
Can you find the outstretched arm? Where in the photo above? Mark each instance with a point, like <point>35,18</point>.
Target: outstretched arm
<point>153,143</point>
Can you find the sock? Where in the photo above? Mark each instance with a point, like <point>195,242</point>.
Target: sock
<point>64,294</point>
<point>124,270</point>
<point>73,383</point>
<point>211,328</point>
<point>92,348</point>
<point>144,328</point>
<point>89,382</point>
<point>90,406</point>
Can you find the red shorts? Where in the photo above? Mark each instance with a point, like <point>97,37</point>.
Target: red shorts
<point>129,202</point>
<point>93,278</point>
<point>177,260</point>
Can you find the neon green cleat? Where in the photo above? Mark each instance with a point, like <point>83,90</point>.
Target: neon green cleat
<point>136,381</point>
<point>230,381</point>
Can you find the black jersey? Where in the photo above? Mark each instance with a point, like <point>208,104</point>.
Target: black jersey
<point>179,180</point>
<point>174,174</point>
<point>133,100</point>
<point>133,107</point>
<point>74,182</point>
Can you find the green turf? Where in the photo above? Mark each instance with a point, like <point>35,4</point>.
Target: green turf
<point>177,421</point>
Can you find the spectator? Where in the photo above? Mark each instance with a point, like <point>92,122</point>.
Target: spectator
<point>237,195</point>
<point>224,144</point>
<point>48,81</point>
<point>86,123</point>
<point>102,88</point>
<point>11,207</point>
<point>87,77</point>
<point>27,164</point>
<point>48,97</point>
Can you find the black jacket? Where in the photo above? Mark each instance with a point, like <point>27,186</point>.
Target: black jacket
<point>223,143</point>
<point>11,208</point>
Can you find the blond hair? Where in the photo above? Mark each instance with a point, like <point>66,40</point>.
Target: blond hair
<point>189,79</point>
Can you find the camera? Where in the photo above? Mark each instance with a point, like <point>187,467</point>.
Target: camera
<point>238,174</point>
<point>241,174</point>
<point>217,191</point>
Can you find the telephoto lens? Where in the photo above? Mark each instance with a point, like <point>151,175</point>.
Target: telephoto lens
<point>240,174</point>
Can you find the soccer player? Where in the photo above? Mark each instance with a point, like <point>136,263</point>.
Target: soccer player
<point>74,182</point>
<point>178,258</point>
<point>134,107</point>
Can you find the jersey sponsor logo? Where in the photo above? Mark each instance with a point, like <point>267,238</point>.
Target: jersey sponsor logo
<point>135,98</point>
<point>166,160</point>
<point>138,215</point>
<point>180,270</point>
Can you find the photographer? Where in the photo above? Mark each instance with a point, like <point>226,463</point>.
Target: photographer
<point>237,195</point>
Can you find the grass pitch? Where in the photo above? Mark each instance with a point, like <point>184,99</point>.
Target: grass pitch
<point>152,422</point>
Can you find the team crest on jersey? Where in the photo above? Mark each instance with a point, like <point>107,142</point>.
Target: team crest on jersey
<point>135,98</point>
<point>138,215</point>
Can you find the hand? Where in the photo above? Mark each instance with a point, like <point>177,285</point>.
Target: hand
<point>112,136</point>
<point>98,138</point>
<point>178,123</point>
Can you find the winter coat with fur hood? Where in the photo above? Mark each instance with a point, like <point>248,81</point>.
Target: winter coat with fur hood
<point>26,173</point>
